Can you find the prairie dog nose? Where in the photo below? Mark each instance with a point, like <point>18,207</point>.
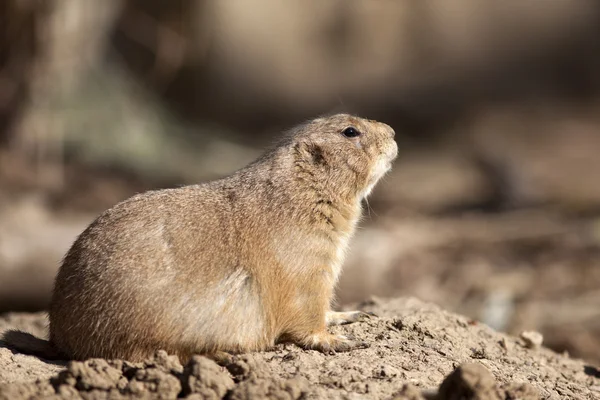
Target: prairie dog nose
<point>391,131</point>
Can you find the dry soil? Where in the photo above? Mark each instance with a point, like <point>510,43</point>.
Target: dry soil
<point>416,351</point>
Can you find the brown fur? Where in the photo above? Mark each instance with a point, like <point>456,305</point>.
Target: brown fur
<point>232,265</point>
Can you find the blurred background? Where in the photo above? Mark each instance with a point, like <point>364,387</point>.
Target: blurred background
<point>492,208</point>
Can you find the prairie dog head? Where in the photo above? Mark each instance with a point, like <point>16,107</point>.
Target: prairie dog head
<point>347,154</point>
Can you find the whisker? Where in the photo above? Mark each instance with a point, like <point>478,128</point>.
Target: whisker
<point>369,209</point>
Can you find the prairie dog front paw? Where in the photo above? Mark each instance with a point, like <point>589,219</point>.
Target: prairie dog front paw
<point>330,344</point>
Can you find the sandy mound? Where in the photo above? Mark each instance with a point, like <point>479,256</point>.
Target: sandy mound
<point>416,350</point>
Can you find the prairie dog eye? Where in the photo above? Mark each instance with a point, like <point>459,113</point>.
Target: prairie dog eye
<point>351,132</point>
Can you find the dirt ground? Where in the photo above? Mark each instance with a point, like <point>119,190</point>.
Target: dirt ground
<point>415,351</point>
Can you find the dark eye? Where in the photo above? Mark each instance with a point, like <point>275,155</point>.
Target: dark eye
<point>350,132</point>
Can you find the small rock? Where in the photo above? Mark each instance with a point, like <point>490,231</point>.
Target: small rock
<point>532,339</point>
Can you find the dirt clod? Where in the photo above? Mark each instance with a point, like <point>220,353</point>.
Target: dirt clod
<point>469,381</point>
<point>205,378</point>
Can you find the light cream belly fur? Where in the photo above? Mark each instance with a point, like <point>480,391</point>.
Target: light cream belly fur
<point>226,315</point>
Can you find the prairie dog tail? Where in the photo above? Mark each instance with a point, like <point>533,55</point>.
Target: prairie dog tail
<point>26,343</point>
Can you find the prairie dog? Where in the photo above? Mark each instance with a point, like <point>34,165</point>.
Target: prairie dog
<point>232,265</point>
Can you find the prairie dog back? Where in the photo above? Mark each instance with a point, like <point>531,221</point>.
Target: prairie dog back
<point>231,265</point>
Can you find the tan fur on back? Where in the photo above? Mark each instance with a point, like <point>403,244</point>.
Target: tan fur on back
<point>231,265</point>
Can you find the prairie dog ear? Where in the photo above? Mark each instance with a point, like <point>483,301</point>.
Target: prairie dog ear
<point>311,152</point>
